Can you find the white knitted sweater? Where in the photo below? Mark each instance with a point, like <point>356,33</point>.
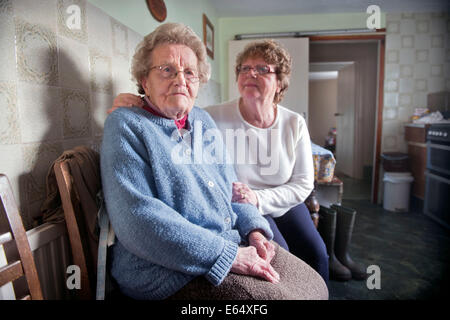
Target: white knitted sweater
<point>275,162</point>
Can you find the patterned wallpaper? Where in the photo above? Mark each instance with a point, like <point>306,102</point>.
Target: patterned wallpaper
<point>417,63</point>
<point>56,84</point>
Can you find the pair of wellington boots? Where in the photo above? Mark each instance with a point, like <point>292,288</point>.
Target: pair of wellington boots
<point>336,228</point>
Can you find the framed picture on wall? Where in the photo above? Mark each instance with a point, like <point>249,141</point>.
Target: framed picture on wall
<point>208,36</point>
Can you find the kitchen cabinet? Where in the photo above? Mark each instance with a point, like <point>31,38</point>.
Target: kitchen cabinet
<point>415,135</point>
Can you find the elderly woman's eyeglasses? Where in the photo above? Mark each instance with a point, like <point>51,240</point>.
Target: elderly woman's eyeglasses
<point>259,69</point>
<point>168,71</point>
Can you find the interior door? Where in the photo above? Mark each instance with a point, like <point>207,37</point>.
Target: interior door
<point>345,121</point>
<point>296,97</point>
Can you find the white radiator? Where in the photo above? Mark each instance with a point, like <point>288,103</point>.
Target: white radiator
<point>51,250</point>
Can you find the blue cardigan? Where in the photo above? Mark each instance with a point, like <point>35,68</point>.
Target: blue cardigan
<point>173,217</point>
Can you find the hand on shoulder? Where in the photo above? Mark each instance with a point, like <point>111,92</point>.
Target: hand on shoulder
<point>126,100</point>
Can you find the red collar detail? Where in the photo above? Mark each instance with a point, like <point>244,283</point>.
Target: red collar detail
<point>181,123</point>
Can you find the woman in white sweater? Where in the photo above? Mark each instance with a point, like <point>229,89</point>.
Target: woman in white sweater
<point>270,147</point>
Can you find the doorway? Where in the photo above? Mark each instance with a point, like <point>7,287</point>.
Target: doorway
<point>354,109</point>
<point>331,110</point>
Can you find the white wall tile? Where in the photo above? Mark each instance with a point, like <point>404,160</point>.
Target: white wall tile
<point>419,100</point>
<point>37,159</point>
<point>390,99</point>
<point>421,70</point>
<point>73,59</point>
<point>42,12</point>
<point>76,114</point>
<point>99,29</point>
<point>438,26</point>
<point>406,70</point>
<point>7,41</point>
<point>100,67</point>
<point>9,120</point>
<point>119,35</point>
<point>421,85</point>
<point>392,85</point>
<point>405,113</point>
<point>100,103</point>
<point>134,39</point>
<point>422,26</point>
<point>37,58</point>
<point>392,71</point>
<point>121,75</point>
<point>406,85</point>
<point>407,27</point>
<point>437,55</point>
<point>436,84</point>
<point>12,166</point>
<point>393,41</point>
<point>39,110</point>
<point>390,113</point>
<point>405,99</point>
<point>407,56</point>
<point>422,41</point>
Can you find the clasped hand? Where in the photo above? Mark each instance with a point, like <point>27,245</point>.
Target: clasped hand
<point>255,259</point>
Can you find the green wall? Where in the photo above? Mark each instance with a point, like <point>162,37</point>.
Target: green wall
<point>135,15</point>
<point>229,27</point>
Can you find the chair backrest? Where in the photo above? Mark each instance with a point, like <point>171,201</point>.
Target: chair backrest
<point>15,231</point>
<point>80,212</point>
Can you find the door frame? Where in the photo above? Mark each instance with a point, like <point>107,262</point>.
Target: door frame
<point>380,36</point>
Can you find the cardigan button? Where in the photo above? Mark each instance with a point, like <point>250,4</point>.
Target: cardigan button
<point>210,183</point>
<point>227,220</point>
<point>188,152</point>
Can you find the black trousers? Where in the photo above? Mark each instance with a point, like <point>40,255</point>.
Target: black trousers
<point>295,232</point>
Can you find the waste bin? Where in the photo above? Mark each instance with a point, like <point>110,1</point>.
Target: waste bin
<point>397,186</point>
<point>395,161</point>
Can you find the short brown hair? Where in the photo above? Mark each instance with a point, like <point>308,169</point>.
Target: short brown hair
<point>168,33</point>
<point>273,53</point>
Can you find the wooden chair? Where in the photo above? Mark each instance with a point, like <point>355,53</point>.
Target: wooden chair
<point>72,170</point>
<point>25,266</point>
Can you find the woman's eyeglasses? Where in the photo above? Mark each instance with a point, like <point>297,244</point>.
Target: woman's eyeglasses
<point>168,71</point>
<point>259,69</point>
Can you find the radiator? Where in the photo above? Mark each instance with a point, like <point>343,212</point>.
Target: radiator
<point>51,250</point>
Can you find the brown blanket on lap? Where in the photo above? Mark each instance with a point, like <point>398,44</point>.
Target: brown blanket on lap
<point>298,281</point>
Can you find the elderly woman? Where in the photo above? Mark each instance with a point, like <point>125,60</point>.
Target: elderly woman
<point>282,176</point>
<point>179,235</point>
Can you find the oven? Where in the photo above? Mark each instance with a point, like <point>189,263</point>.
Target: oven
<point>437,175</point>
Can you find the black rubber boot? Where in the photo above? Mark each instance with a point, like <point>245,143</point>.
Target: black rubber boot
<point>327,230</point>
<point>344,230</point>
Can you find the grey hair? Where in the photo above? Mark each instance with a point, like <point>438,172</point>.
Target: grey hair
<point>168,33</point>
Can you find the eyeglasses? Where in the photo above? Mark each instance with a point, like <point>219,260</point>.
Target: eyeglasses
<point>168,71</point>
<point>260,69</point>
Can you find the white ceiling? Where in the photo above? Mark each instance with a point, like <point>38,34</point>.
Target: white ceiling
<point>240,8</point>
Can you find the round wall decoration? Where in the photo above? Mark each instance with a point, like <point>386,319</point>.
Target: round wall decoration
<point>157,9</point>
